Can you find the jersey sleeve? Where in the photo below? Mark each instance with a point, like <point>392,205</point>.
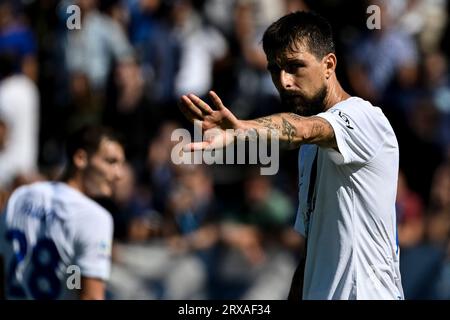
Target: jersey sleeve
<point>360,130</point>
<point>93,245</point>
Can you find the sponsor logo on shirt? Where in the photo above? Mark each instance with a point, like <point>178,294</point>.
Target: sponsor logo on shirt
<point>104,249</point>
<point>344,117</point>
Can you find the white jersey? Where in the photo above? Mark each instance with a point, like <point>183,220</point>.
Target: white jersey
<point>347,207</point>
<point>50,234</point>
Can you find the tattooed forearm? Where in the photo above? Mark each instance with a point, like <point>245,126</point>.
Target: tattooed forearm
<point>288,130</point>
<point>294,116</point>
<point>294,130</point>
<point>268,123</point>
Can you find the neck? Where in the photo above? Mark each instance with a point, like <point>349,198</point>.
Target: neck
<point>75,182</point>
<point>335,93</point>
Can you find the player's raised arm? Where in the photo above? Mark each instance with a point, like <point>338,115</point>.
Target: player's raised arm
<point>292,129</point>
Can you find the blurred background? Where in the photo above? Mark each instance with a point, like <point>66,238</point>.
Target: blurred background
<point>220,231</point>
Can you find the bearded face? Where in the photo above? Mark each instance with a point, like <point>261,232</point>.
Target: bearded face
<point>303,105</point>
<point>300,78</point>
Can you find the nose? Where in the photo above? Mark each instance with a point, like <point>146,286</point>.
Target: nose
<point>286,80</point>
<point>119,171</point>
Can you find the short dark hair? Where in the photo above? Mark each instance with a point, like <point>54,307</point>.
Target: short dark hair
<point>299,28</point>
<point>88,138</point>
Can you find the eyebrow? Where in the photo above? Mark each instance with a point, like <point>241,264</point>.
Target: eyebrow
<point>287,62</point>
<point>295,60</point>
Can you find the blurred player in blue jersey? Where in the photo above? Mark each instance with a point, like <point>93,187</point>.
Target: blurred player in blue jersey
<point>51,230</point>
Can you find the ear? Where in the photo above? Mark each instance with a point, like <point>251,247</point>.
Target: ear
<point>80,159</point>
<point>329,62</point>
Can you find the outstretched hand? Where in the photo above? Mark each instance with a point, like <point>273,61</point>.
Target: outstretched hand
<point>215,122</point>
<point>195,108</point>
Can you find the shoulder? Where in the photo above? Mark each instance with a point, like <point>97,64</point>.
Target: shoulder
<point>354,104</point>
<point>25,197</point>
<point>360,129</point>
<point>81,206</point>
<point>90,220</point>
<point>31,190</point>
<point>357,109</point>
<point>92,211</point>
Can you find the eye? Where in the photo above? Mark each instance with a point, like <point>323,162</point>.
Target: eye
<point>273,68</point>
<point>295,67</point>
<point>111,160</point>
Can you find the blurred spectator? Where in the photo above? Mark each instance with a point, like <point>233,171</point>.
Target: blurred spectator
<point>256,94</point>
<point>116,9</point>
<point>156,48</point>
<point>422,133</point>
<point>410,215</point>
<point>93,49</point>
<point>159,166</point>
<point>423,19</point>
<point>425,265</point>
<point>130,112</point>
<point>190,207</point>
<point>200,46</point>
<point>439,220</point>
<point>19,111</point>
<point>382,56</point>
<point>258,238</point>
<point>17,39</point>
<point>134,218</point>
<point>439,224</point>
<point>437,86</point>
<point>151,267</point>
<point>84,106</point>
<point>217,12</point>
<point>150,271</point>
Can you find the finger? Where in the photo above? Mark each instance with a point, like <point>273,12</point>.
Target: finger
<point>188,114</point>
<point>186,101</point>
<point>194,146</point>
<point>201,104</point>
<point>216,100</point>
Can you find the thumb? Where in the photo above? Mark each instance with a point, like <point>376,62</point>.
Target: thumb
<point>194,146</point>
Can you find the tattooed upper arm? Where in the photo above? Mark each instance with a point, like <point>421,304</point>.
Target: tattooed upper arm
<point>321,133</point>
<point>315,130</point>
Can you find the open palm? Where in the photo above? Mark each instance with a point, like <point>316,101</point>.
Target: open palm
<point>215,122</point>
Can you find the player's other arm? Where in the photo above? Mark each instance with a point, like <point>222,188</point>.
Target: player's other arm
<point>94,238</point>
<point>92,289</point>
<point>294,130</point>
